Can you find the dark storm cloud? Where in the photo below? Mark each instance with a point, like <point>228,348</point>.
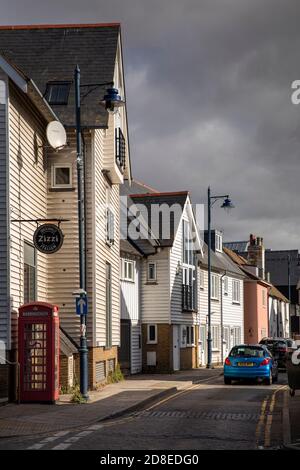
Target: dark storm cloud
<point>208,91</point>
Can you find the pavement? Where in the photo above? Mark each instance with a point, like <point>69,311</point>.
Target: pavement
<point>114,400</point>
<point>291,420</point>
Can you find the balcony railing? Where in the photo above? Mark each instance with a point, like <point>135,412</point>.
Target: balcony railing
<point>188,298</point>
<point>120,149</point>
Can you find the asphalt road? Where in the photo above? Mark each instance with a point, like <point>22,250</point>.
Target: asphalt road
<point>208,416</point>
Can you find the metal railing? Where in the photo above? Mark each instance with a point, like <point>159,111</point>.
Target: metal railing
<point>120,149</point>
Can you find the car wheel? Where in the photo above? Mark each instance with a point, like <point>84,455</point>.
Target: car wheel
<point>269,380</point>
<point>227,381</point>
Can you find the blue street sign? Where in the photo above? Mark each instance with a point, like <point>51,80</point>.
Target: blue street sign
<point>81,305</point>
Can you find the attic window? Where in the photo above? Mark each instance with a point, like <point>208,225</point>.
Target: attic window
<point>57,92</point>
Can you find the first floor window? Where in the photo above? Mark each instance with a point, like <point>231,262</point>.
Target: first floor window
<point>128,270</point>
<point>236,335</point>
<point>108,306</point>
<point>151,275</point>
<point>214,287</point>
<point>215,337</point>
<point>29,273</point>
<point>190,336</point>
<point>226,285</point>
<point>61,175</point>
<point>152,334</point>
<point>236,291</point>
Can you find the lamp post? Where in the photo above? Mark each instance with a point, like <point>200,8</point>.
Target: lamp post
<point>227,205</point>
<point>111,100</point>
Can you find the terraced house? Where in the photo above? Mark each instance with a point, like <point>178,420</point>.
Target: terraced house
<point>36,87</point>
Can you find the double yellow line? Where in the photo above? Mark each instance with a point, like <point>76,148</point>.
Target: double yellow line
<point>264,425</point>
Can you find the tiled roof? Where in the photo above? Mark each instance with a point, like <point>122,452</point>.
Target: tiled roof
<point>235,257</point>
<point>274,292</point>
<point>175,199</point>
<point>47,53</point>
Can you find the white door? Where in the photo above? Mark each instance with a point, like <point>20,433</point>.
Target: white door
<point>176,347</point>
<point>202,345</point>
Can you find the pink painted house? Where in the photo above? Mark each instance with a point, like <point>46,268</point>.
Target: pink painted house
<point>256,317</point>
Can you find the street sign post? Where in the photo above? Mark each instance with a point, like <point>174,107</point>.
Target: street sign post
<point>81,305</point>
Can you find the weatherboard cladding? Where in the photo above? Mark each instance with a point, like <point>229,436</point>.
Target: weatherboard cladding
<point>51,54</point>
<point>4,308</point>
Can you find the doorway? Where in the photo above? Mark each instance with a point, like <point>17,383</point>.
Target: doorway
<point>176,347</point>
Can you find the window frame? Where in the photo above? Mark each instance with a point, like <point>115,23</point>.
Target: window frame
<point>27,300</point>
<point>226,285</point>
<point>218,242</point>
<point>215,347</point>
<point>190,336</point>
<point>125,277</point>
<point>236,299</point>
<point>58,83</point>
<point>54,167</point>
<point>215,287</point>
<point>152,279</point>
<point>201,279</point>
<point>150,341</point>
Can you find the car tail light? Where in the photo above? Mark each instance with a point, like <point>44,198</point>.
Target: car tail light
<point>227,361</point>
<point>282,349</point>
<point>265,362</point>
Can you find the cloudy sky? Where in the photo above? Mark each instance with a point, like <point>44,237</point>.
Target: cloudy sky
<point>209,100</point>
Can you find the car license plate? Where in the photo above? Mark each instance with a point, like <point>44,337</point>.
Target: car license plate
<point>245,364</point>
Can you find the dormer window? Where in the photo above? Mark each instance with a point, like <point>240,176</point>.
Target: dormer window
<point>219,242</point>
<point>57,92</point>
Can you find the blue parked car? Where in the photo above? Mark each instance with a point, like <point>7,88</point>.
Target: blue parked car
<point>250,362</point>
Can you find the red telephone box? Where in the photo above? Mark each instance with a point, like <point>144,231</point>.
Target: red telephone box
<point>39,352</point>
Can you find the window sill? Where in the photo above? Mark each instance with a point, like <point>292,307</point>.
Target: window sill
<point>236,303</point>
<point>151,342</point>
<point>61,190</point>
<point>131,281</point>
<point>214,299</point>
<point>151,283</point>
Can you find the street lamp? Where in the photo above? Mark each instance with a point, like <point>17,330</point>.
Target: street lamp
<point>227,205</point>
<point>111,101</point>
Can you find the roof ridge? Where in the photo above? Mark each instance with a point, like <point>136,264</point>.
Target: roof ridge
<point>175,193</point>
<point>145,185</point>
<point>60,25</point>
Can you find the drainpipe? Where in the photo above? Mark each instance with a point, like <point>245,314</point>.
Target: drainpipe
<point>222,332</point>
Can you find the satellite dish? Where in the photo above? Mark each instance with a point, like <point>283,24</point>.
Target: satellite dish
<point>56,135</point>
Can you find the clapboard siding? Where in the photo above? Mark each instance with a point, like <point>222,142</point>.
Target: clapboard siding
<point>215,311</point>
<point>103,143</point>
<point>233,314</point>
<point>28,191</point>
<point>177,315</point>
<point>63,266</point>
<point>155,298</point>
<point>130,308</point>
<point>4,266</point>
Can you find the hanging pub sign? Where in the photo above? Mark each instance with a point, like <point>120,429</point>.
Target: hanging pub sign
<point>48,238</point>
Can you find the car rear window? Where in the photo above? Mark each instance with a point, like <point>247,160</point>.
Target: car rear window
<point>246,351</point>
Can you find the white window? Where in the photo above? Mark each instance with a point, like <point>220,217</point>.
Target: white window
<point>190,340</point>
<point>183,336</point>
<point>236,335</point>
<point>152,334</point>
<point>110,227</point>
<point>236,291</point>
<point>218,242</point>
<point>214,287</point>
<point>201,279</point>
<point>61,175</point>
<point>215,337</point>
<point>225,280</point>
<point>128,270</point>
<point>151,272</point>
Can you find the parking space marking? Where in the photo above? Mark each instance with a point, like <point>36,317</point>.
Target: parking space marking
<point>47,440</point>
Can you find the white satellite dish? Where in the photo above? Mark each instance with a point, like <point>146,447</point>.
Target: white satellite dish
<point>56,135</point>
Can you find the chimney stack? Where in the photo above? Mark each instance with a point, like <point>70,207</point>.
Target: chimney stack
<point>256,254</point>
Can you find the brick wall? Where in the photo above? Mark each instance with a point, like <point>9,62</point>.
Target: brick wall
<point>97,355</point>
<point>163,349</point>
<point>4,374</point>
